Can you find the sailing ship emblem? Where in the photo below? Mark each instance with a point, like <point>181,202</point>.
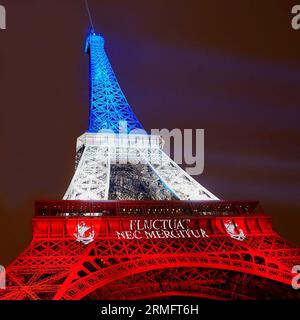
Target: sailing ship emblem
<point>81,234</point>
<point>231,229</point>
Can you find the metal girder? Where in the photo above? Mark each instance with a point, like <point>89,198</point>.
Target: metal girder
<point>182,184</point>
<point>91,179</point>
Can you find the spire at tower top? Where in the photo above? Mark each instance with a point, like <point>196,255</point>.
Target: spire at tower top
<point>89,13</point>
<point>108,104</point>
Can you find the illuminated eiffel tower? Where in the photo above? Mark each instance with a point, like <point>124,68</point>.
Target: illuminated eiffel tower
<point>134,225</point>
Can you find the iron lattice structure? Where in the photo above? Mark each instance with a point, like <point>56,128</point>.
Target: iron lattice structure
<point>216,266</point>
<point>100,155</point>
<point>108,104</point>
<point>134,225</point>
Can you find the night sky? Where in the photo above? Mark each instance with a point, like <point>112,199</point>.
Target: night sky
<point>229,67</point>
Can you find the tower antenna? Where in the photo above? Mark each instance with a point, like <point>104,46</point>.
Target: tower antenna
<point>89,13</point>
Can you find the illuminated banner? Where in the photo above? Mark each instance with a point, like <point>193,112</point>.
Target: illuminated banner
<point>160,229</point>
<point>86,230</point>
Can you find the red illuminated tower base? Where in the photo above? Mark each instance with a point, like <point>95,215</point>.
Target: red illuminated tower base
<point>152,249</point>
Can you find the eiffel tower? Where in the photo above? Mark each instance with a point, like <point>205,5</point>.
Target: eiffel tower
<point>134,225</point>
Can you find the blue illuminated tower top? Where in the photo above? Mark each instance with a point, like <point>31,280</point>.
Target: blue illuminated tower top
<point>108,104</point>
